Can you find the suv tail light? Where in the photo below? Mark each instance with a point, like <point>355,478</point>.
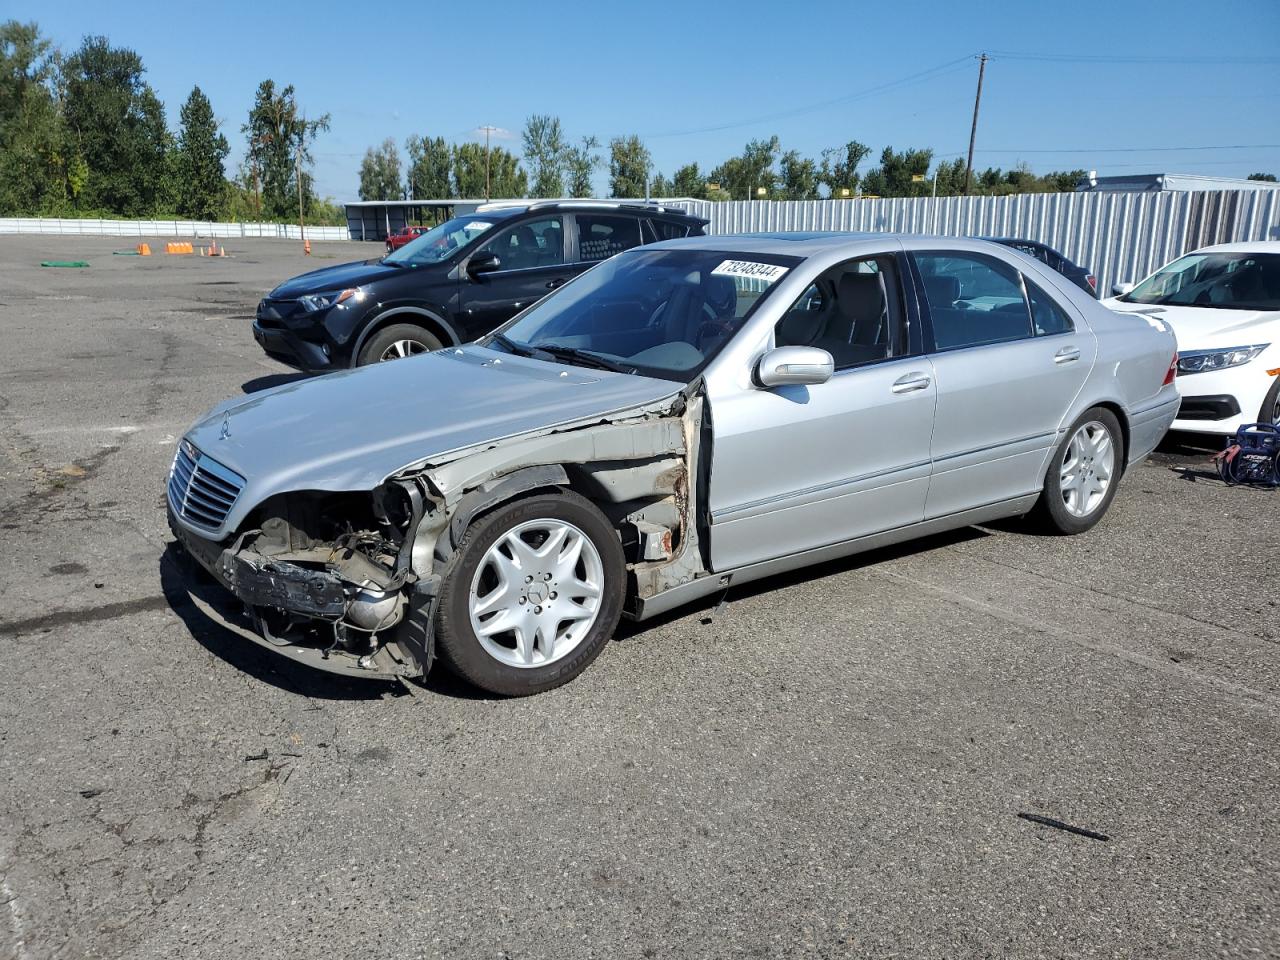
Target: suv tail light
<point>1173,371</point>
<point>1093,282</point>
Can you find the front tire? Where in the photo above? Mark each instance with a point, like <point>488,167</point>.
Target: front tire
<point>1270,412</point>
<point>533,595</point>
<point>397,341</point>
<point>1083,475</point>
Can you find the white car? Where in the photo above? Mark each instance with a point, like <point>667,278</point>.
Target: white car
<point>1223,303</point>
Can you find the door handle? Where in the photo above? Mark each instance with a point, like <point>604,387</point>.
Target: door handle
<point>1066,355</point>
<point>911,381</point>
<point>557,282</point>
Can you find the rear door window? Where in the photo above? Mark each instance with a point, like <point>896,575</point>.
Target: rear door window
<point>600,236</point>
<point>973,300</point>
<point>1047,317</point>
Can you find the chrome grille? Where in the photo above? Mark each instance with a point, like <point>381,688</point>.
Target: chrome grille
<point>201,490</point>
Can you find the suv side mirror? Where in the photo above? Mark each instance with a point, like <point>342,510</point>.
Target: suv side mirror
<point>486,261</point>
<point>795,365</point>
<point>1120,289</point>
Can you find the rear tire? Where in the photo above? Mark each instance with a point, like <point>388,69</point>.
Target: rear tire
<point>562,603</point>
<point>397,341</point>
<point>1083,476</point>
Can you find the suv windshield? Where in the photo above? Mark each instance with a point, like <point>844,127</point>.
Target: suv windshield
<point>440,243</point>
<point>1230,281</point>
<point>661,313</point>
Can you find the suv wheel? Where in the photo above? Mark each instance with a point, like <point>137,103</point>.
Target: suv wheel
<point>397,341</point>
<point>533,595</point>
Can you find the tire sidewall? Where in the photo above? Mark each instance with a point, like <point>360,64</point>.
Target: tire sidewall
<point>460,647</point>
<point>1056,513</point>
<point>383,338</point>
<point>1268,412</point>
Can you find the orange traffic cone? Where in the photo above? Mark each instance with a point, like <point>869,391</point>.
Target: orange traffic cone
<point>144,249</point>
<point>306,248</point>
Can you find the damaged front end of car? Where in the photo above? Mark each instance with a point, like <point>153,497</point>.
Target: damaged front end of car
<point>348,581</point>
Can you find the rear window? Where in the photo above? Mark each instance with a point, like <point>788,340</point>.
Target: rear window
<point>668,229</point>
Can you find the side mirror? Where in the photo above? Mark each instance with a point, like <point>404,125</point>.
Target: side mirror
<point>483,262</point>
<point>1120,289</point>
<point>795,365</point>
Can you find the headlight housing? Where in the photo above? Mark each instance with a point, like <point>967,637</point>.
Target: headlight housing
<point>322,301</point>
<point>1203,361</point>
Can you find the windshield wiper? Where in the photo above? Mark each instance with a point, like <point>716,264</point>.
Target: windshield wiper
<point>520,349</point>
<point>587,358</point>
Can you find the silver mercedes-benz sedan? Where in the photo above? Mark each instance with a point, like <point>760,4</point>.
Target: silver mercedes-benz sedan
<point>682,418</point>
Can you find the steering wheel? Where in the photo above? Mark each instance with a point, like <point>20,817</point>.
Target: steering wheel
<point>717,327</point>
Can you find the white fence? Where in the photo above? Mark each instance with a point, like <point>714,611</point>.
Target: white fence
<point>1119,236</point>
<point>166,228</point>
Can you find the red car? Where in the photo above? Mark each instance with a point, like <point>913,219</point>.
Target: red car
<point>401,237</point>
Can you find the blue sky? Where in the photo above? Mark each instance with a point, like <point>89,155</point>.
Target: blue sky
<point>697,80</point>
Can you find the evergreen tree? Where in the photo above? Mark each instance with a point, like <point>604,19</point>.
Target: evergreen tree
<point>201,150</point>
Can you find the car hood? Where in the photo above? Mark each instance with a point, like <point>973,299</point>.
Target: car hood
<point>1206,327</point>
<point>352,429</point>
<point>333,278</point>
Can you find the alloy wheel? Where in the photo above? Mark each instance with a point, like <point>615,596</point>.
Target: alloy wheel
<point>1087,469</point>
<point>536,593</point>
<point>402,348</point>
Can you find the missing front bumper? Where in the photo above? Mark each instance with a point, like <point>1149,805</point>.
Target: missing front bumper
<point>257,583</point>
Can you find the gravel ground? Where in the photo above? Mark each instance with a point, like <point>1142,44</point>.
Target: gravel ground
<point>831,767</point>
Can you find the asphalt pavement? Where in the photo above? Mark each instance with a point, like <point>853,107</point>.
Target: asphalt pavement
<point>832,764</point>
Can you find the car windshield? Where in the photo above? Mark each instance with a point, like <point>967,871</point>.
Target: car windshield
<point>441,242</point>
<point>660,313</point>
<point>1229,281</point>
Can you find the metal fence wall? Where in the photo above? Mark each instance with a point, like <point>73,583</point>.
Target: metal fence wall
<point>166,228</point>
<point>1120,236</point>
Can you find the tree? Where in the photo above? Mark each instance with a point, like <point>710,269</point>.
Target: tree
<point>628,167</point>
<point>117,124</point>
<point>893,177</point>
<point>688,181</point>
<point>280,139</point>
<point>839,169</point>
<point>1264,177</point>
<point>581,162</point>
<point>34,161</point>
<point>506,178</point>
<point>380,173</point>
<point>660,186</point>
<point>546,154</point>
<point>429,165</point>
<point>799,177</point>
<point>743,176</point>
<point>201,149</point>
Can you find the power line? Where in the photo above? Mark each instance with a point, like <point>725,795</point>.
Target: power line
<point>1091,58</point>
<point>1236,146</point>
<point>942,69</point>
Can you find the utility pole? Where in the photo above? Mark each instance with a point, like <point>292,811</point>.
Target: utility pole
<point>302,226</point>
<point>487,130</point>
<point>973,131</point>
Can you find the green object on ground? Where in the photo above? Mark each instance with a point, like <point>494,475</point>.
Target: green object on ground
<point>124,253</point>
<point>64,263</point>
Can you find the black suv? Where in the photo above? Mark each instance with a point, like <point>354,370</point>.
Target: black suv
<point>456,282</point>
<point>1082,277</point>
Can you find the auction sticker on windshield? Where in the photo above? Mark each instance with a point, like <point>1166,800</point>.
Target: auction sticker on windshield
<point>768,272</point>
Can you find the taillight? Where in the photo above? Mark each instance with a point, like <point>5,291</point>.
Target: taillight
<point>1173,371</point>
<point>1093,282</point>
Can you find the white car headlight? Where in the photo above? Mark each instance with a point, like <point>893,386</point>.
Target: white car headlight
<point>1202,361</point>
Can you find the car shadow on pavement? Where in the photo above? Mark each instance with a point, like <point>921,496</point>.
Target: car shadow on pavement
<point>181,579</point>
<point>272,380</point>
<point>707,608</point>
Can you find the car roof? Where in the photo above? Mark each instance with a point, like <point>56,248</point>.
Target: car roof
<point>587,205</point>
<point>1245,246</point>
<point>813,243</point>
